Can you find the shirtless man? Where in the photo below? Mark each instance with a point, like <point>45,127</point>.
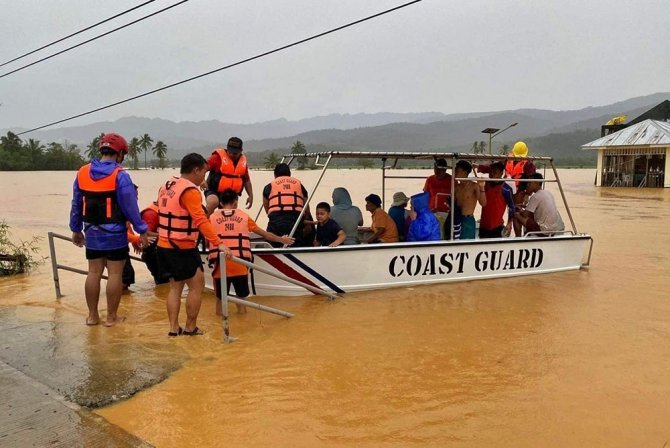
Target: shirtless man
<point>467,194</point>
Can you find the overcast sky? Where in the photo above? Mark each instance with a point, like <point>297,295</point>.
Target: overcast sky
<point>437,55</point>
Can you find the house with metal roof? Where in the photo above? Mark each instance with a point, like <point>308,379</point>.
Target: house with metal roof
<point>635,156</point>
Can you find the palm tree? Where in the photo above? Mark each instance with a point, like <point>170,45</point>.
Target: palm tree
<point>92,149</point>
<point>503,150</point>
<point>145,143</point>
<point>133,151</point>
<point>299,148</point>
<point>159,151</point>
<point>271,160</point>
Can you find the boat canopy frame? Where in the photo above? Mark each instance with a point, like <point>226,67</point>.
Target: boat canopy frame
<point>397,156</point>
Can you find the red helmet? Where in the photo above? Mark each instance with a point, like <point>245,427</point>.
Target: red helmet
<point>115,142</point>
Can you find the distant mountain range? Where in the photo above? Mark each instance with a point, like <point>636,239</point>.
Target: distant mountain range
<point>553,133</point>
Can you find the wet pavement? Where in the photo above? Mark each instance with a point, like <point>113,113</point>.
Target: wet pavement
<point>53,369</point>
<point>31,414</point>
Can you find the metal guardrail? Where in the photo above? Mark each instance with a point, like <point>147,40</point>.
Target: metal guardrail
<point>55,266</point>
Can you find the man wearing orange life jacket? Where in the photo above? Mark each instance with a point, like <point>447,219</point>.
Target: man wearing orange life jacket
<point>181,219</point>
<point>104,198</point>
<point>228,170</point>
<point>283,200</point>
<point>233,226</point>
<point>518,167</point>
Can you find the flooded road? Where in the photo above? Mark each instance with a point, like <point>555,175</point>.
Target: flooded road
<point>568,359</point>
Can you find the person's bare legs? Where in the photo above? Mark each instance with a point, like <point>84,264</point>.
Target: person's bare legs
<point>173,304</point>
<point>196,285</point>
<point>114,290</point>
<point>92,289</point>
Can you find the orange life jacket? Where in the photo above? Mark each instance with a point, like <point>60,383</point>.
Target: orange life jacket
<point>231,174</point>
<point>99,204</point>
<point>515,169</point>
<point>232,226</point>
<point>174,222</point>
<point>285,195</point>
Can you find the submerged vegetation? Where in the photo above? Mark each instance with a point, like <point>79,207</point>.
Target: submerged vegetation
<point>18,258</point>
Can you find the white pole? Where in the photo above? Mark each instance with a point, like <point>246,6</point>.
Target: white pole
<point>311,288</point>
<point>224,298</point>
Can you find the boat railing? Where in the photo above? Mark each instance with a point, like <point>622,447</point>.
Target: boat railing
<point>55,266</point>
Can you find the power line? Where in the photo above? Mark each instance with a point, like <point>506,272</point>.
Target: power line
<point>77,32</point>
<point>316,36</point>
<point>92,39</point>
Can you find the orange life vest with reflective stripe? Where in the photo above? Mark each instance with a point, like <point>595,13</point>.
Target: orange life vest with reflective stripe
<point>285,195</point>
<point>232,226</point>
<point>231,174</point>
<point>174,222</point>
<point>99,204</point>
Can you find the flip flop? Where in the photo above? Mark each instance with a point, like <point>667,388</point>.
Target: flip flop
<point>179,332</point>
<point>195,332</point>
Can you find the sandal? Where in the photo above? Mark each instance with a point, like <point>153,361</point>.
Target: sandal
<point>195,332</point>
<point>179,332</point>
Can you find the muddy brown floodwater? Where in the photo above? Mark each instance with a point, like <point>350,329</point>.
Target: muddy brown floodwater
<point>567,359</point>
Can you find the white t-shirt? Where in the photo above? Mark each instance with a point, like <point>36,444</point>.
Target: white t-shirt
<point>543,207</point>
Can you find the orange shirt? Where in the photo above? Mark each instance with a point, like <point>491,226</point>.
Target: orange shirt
<point>382,219</point>
<point>191,200</point>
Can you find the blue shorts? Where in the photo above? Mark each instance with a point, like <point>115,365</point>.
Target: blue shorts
<point>468,228</point>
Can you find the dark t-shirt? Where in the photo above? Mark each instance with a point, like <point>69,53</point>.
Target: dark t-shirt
<point>326,234</point>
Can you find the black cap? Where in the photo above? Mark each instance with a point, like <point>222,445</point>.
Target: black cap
<point>234,144</point>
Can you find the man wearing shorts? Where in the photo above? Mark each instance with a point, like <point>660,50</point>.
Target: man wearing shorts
<point>104,198</point>
<point>181,219</point>
<point>233,227</point>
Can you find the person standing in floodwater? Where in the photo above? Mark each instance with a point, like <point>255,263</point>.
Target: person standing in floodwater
<point>103,199</point>
<point>181,219</point>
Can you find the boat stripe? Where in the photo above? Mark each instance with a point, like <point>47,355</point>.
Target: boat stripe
<point>287,270</point>
<point>315,274</point>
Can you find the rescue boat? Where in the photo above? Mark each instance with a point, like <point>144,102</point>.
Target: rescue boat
<point>353,268</point>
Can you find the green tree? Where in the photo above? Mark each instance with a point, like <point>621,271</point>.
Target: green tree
<point>365,163</point>
<point>145,144</point>
<point>504,149</point>
<point>93,148</point>
<point>134,152</point>
<point>475,148</point>
<point>35,150</point>
<point>160,149</point>
<point>271,160</point>
<point>482,147</point>
<point>299,148</point>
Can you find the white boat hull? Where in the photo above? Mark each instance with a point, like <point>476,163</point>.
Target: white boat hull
<point>370,267</point>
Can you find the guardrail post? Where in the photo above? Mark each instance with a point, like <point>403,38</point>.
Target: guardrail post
<point>54,265</point>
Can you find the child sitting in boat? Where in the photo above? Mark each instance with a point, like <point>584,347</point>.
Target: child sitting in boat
<point>328,232</point>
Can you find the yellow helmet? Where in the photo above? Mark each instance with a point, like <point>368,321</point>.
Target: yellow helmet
<point>520,149</point>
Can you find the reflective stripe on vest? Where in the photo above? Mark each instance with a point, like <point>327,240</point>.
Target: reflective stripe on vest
<point>174,222</point>
<point>99,204</point>
<point>231,174</point>
<point>285,195</point>
<point>232,226</point>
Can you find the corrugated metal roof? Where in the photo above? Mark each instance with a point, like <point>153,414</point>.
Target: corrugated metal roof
<point>647,132</point>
